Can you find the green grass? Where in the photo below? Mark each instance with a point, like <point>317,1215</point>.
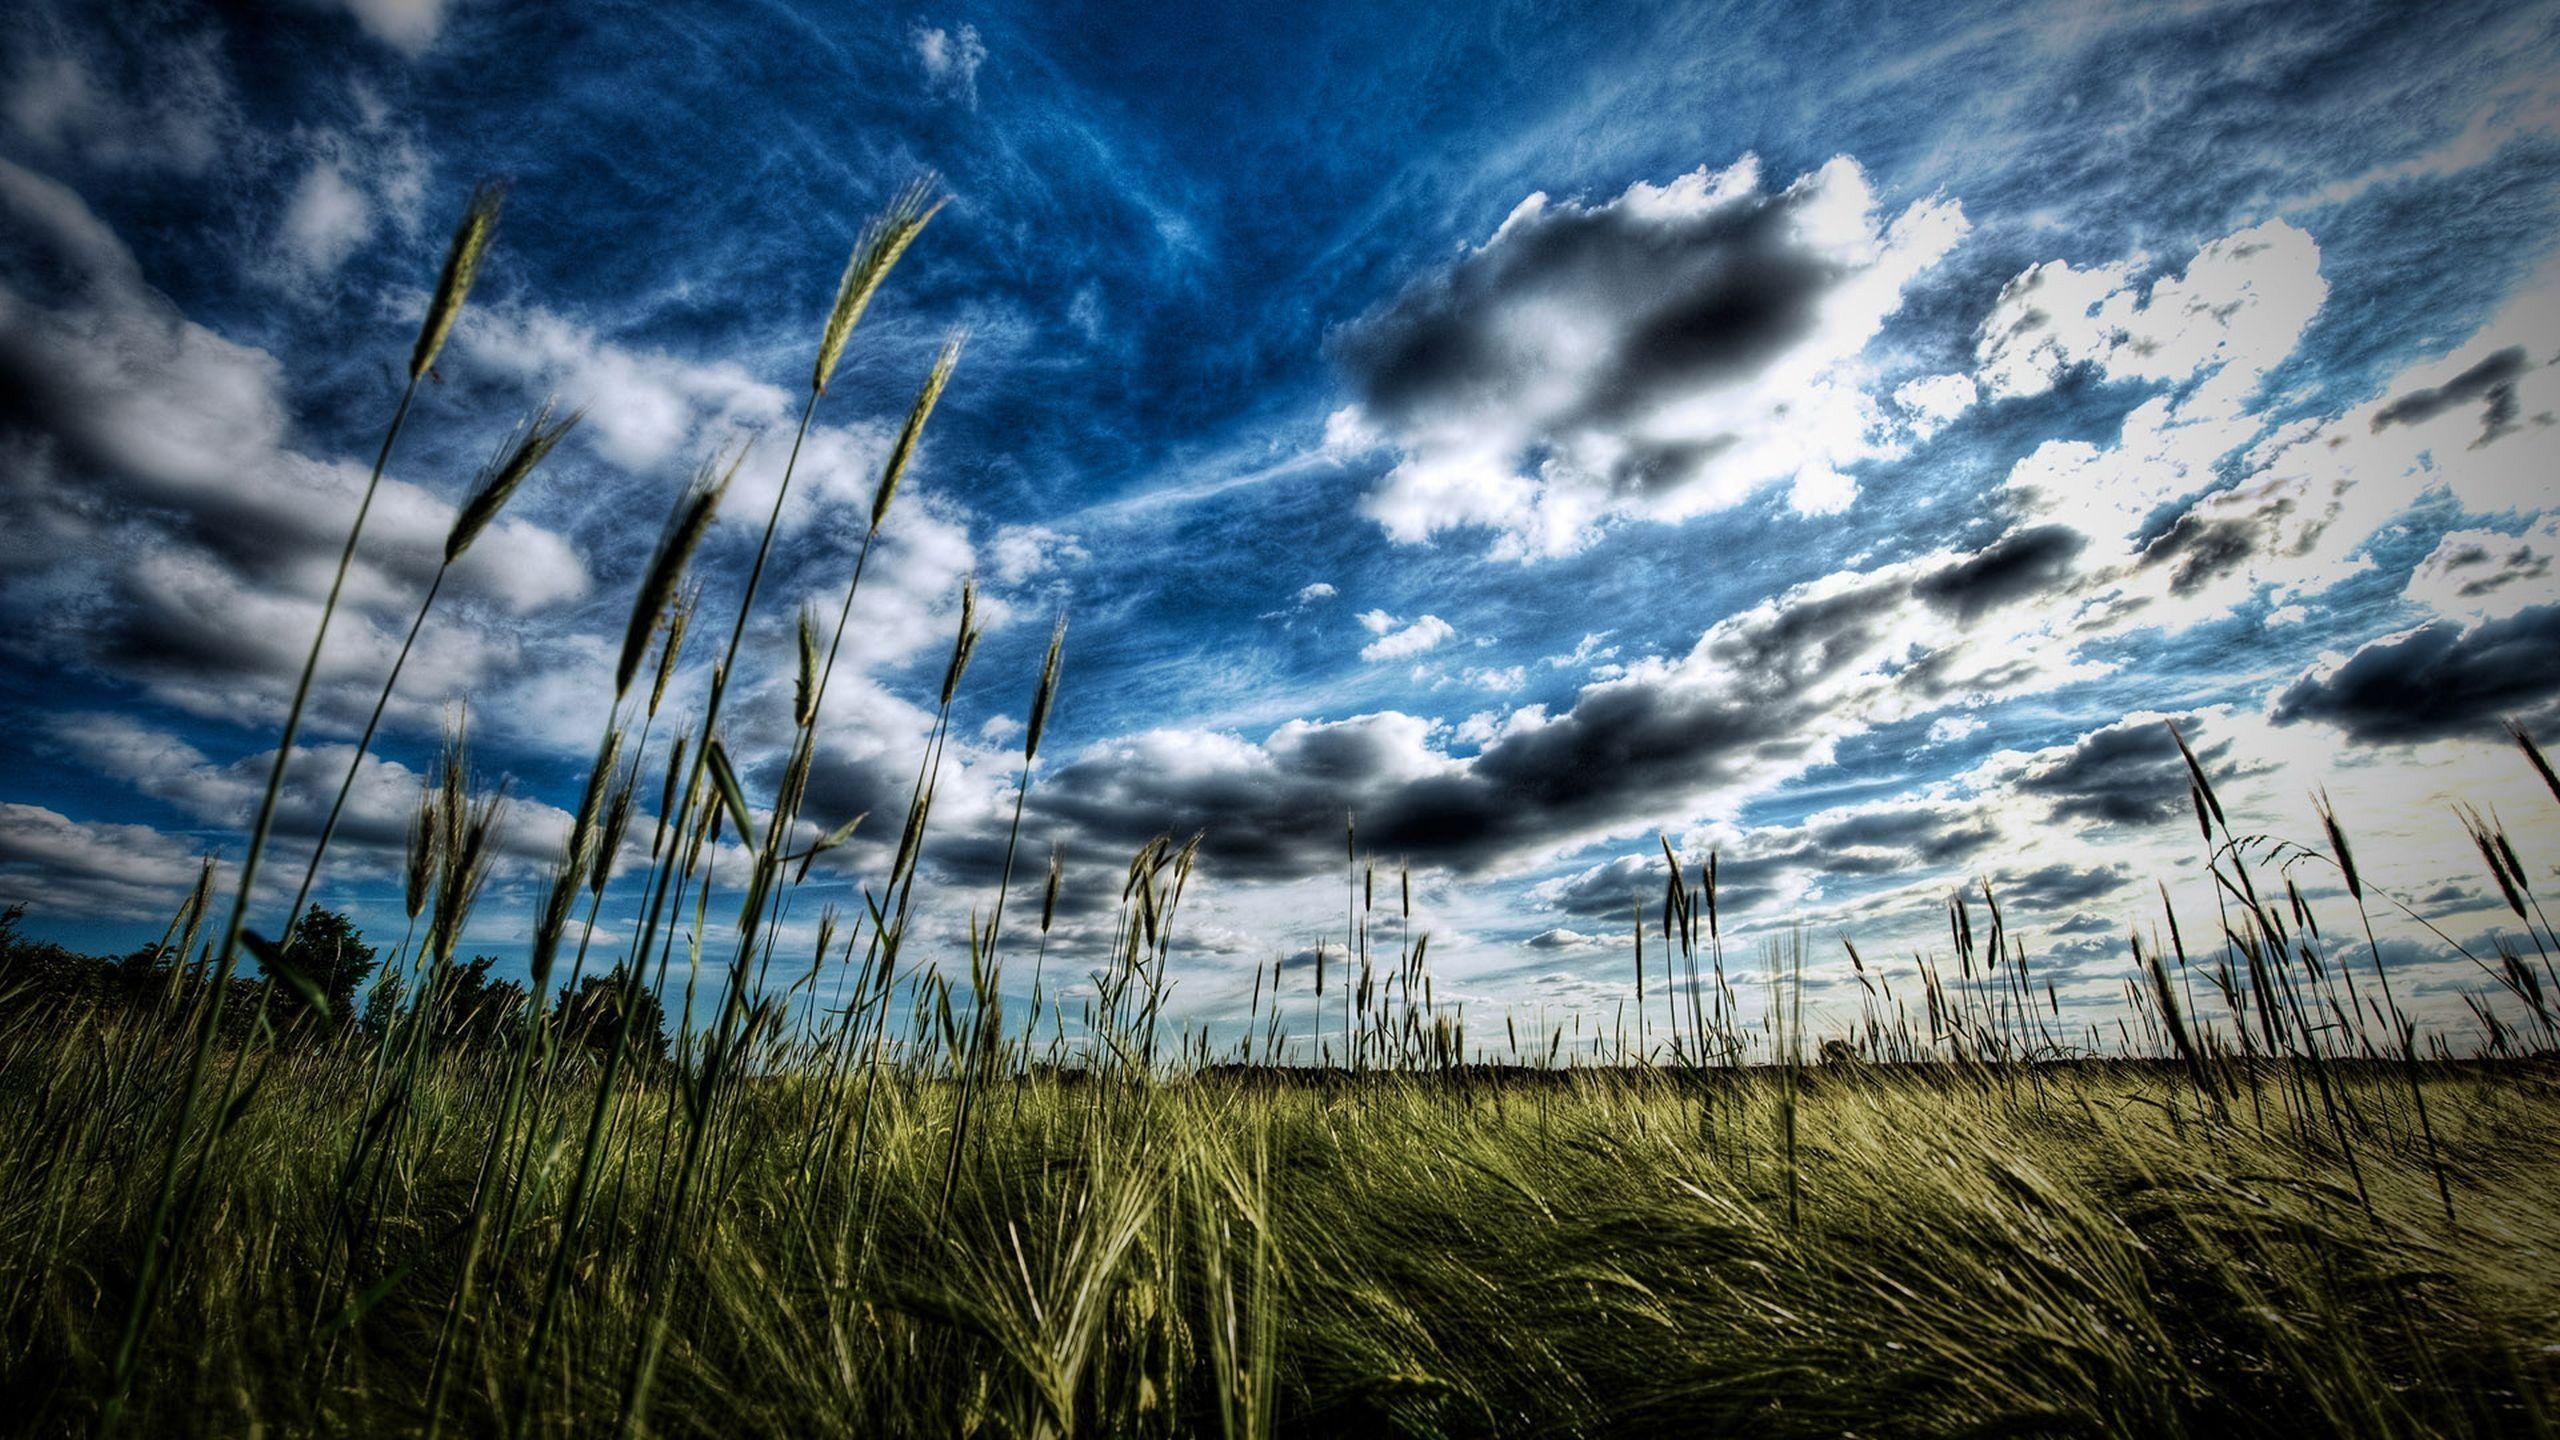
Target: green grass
<point>1602,1252</point>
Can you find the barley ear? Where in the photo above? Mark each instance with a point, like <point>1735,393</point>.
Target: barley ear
<point>966,643</point>
<point>425,831</point>
<point>2338,846</point>
<point>2195,768</point>
<point>1047,693</point>
<point>804,689</point>
<point>523,450</point>
<point>1049,895</point>
<point>679,619</point>
<point>461,267</point>
<point>913,431</point>
<point>617,820</point>
<point>883,241</point>
<point>685,528</point>
<point>2533,753</point>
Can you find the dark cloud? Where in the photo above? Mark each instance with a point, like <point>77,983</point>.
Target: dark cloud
<point>2435,682</point>
<point>2200,550</point>
<point>1609,893</point>
<point>2017,566</point>
<point>1701,298</point>
<point>1921,835</point>
<point>2128,773</point>
<point>2493,381</point>
<point>2060,886</point>
<point>1624,754</point>
<point>186,540</point>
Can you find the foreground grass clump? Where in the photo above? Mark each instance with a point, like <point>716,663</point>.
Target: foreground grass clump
<point>2086,1249</point>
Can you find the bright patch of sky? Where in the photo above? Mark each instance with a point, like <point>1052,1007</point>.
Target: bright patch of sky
<point>1534,434</point>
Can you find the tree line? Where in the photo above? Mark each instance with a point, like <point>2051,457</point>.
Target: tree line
<point>464,1008</point>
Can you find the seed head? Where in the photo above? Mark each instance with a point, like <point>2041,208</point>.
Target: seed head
<point>461,266</point>
<point>515,459</point>
<point>883,241</point>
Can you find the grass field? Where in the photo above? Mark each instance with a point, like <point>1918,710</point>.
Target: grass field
<point>2072,1249</point>
<point>228,1206</point>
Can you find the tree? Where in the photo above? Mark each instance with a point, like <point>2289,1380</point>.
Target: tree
<point>591,1016</point>
<point>326,946</point>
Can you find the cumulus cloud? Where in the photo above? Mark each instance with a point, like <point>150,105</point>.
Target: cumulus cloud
<point>1762,696</point>
<point>2438,681</point>
<point>647,409</point>
<point>168,527</point>
<point>1660,355</point>
<point>352,182</point>
<point>2489,385</point>
<point>373,830</point>
<point>1310,594</point>
<point>1561,938</point>
<point>53,864</point>
<point>2060,886</point>
<point>1396,642</point>
<point>950,60</point>
<point>327,218</point>
<point>2488,574</point>
<point>2211,332</point>
<point>2202,505</point>
<point>2126,774</point>
<point>2019,565</point>
<point>2232,315</point>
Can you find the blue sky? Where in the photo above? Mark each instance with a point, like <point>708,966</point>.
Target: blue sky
<point>1831,438</point>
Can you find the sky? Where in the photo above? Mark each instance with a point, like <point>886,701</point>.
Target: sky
<point>1837,439</point>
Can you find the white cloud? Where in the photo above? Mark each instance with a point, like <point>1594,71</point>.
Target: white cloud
<point>1933,400</point>
<point>409,26</point>
<point>56,865</point>
<point>327,217</point>
<point>645,408</point>
<point>2489,574</point>
<point>1022,552</point>
<point>1659,356</point>
<point>950,59</point>
<point>188,542</point>
<point>1398,644</point>
<point>1586,651</point>
<point>351,182</point>
<point>2232,315</point>
<point>1947,729</point>
<point>1310,594</point>
<point>181,117</point>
